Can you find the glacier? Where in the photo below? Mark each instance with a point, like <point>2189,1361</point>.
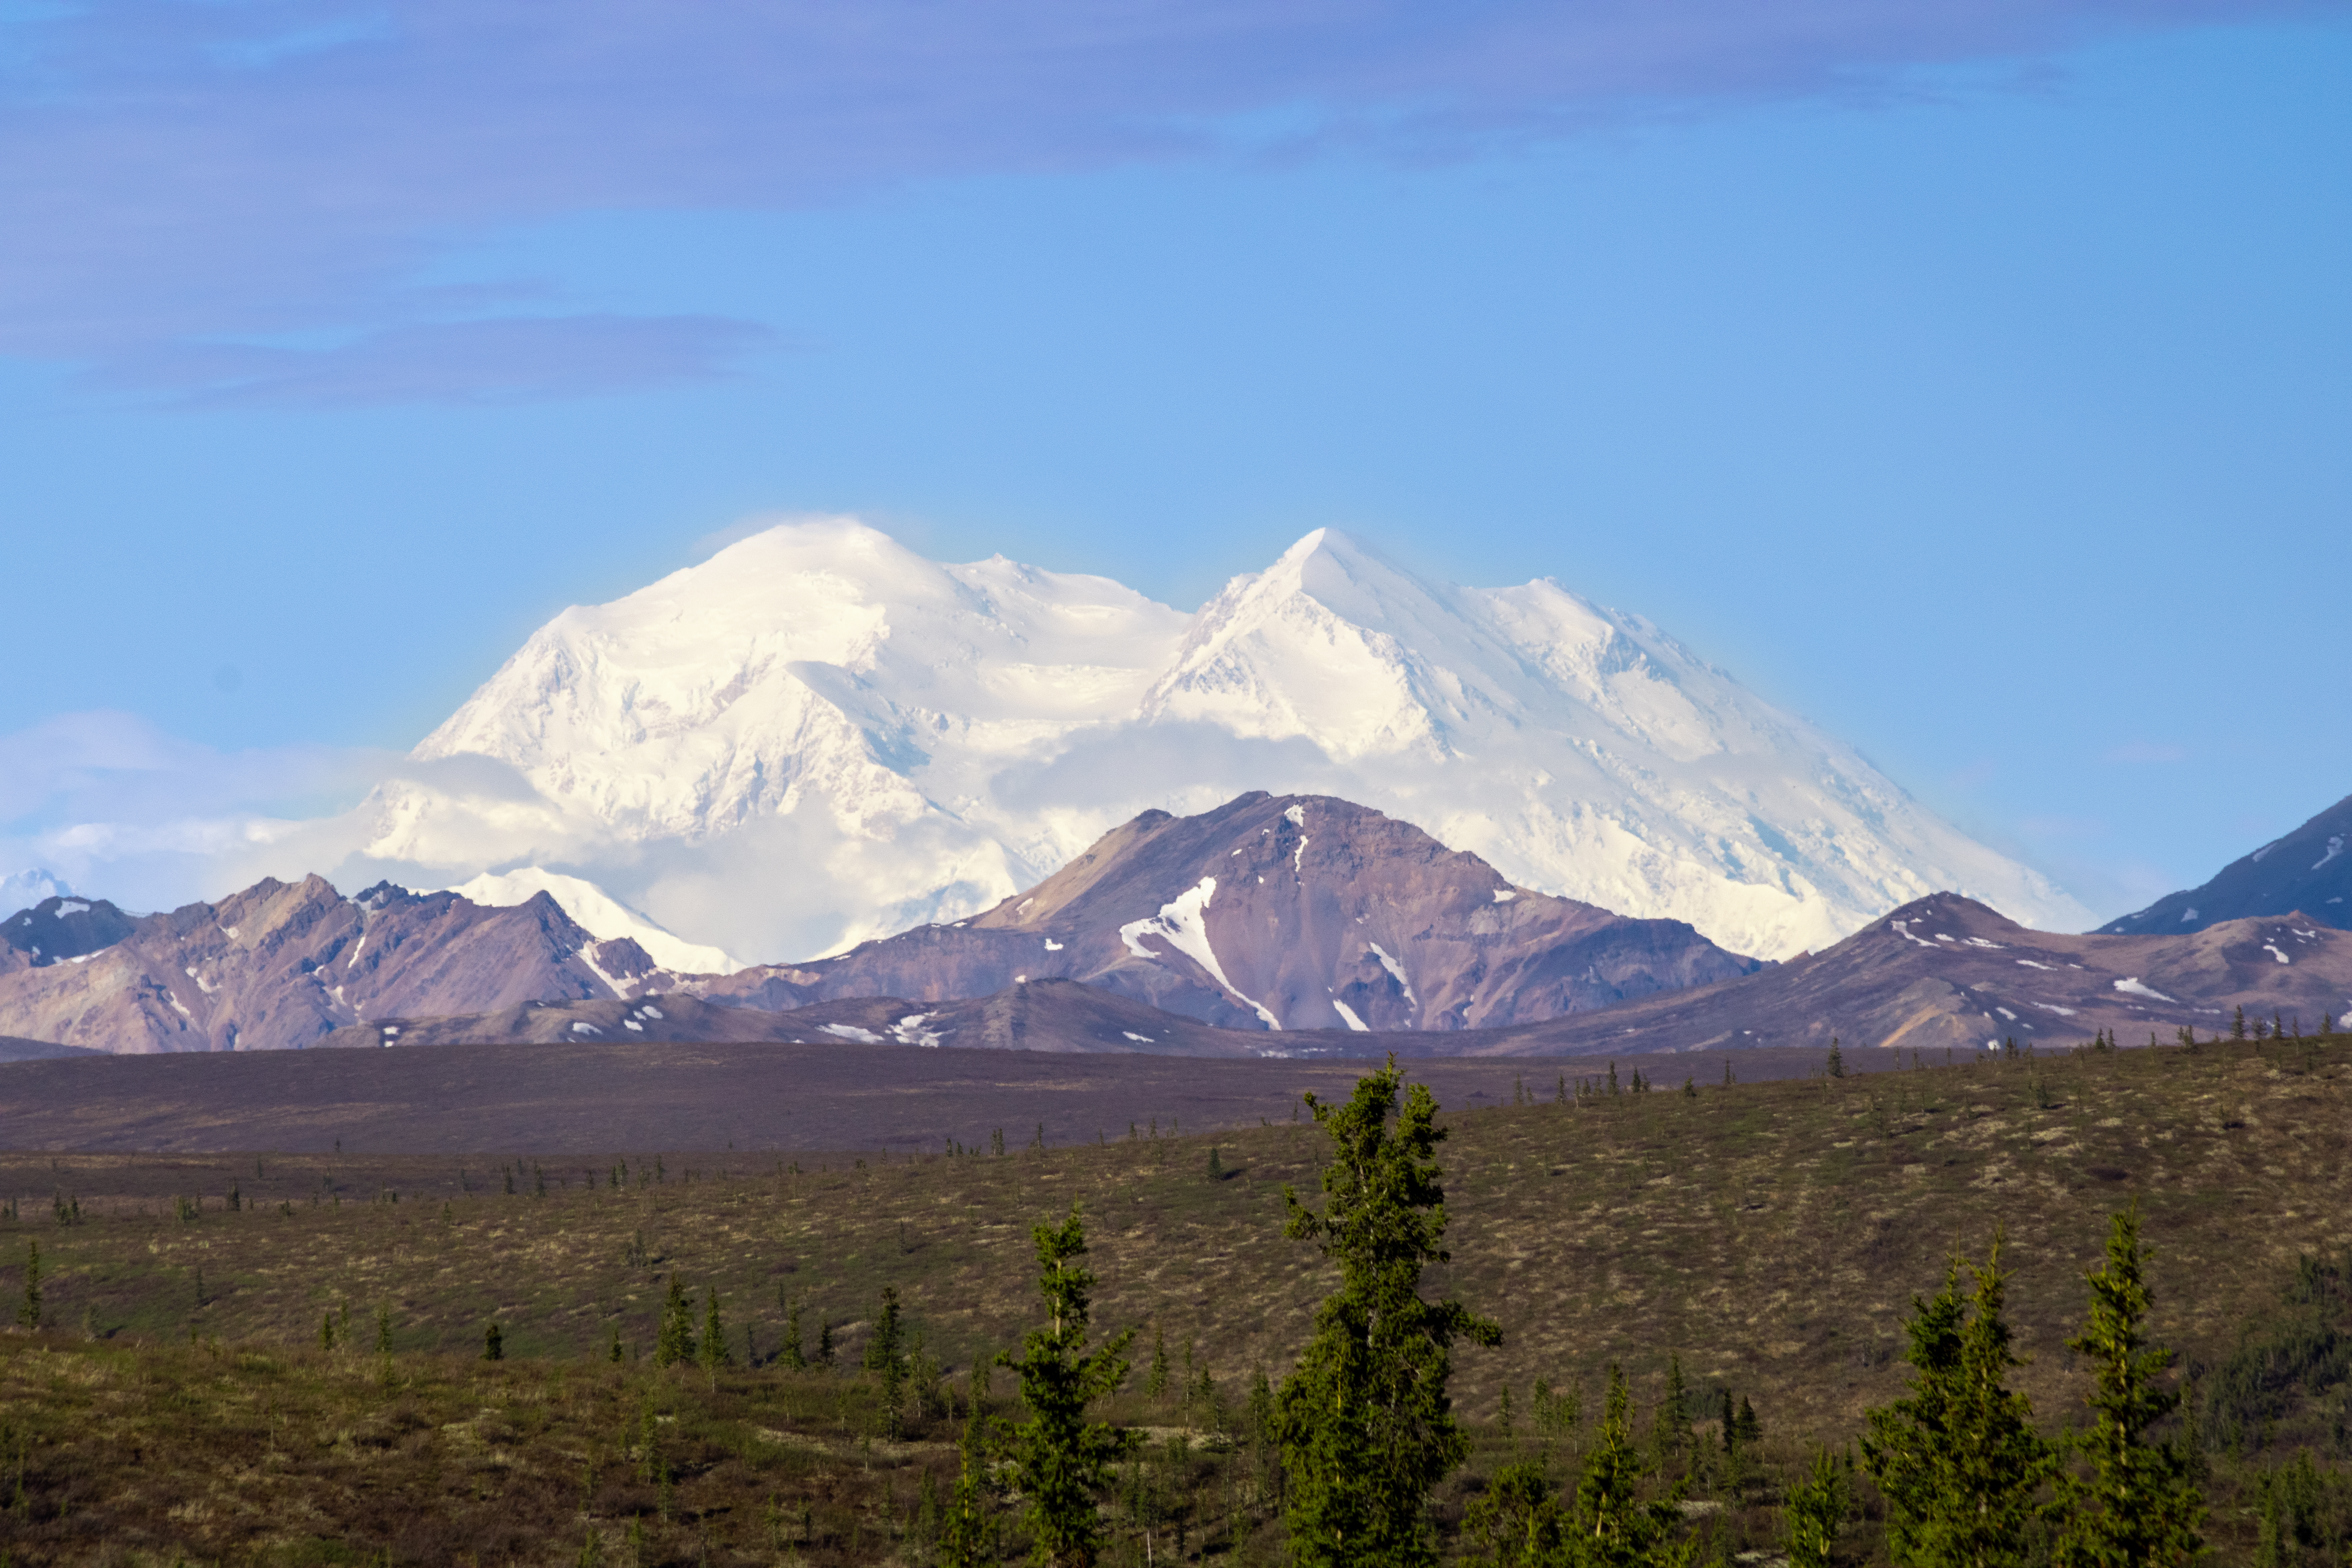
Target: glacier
<point>817,737</point>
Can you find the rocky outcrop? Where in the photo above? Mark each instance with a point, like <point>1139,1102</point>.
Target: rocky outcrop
<point>1275,912</point>
<point>284,964</point>
<point>60,931</point>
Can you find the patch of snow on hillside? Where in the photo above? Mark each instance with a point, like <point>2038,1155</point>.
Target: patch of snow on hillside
<point>2335,847</point>
<point>852,1032</point>
<point>1347,1013</point>
<point>1184,924</point>
<point>1394,967</point>
<point>2272,948</point>
<point>2132,987</point>
<point>1144,1039</point>
<point>596,912</point>
<point>1504,895</point>
<point>72,906</point>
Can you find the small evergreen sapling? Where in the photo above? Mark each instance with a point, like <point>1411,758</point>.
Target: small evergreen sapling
<point>29,1314</point>
<point>1155,1381</point>
<point>494,1343</point>
<point>792,1355</point>
<point>1816,1506</point>
<point>711,1351</point>
<point>674,1342</point>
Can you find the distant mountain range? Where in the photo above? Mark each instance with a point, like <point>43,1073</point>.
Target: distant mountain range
<point>283,964</point>
<point>2308,871</point>
<point>818,738</point>
<point>1268,913</point>
<point>1938,975</point>
<point>1274,925</point>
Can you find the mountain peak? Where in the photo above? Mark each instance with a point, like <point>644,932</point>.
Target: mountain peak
<point>899,742</point>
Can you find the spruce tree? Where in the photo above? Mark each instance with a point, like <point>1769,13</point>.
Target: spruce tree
<point>494,1343</point>
<point>674,1342</point>
<point>1366,1429</point>
<point>29,1314</point>
<point>1960,1462</point>
<point>963,1537</point>
<point>1155,1381</point>
<point>1816,1506</point>
<point>1517,1522</point>
<point>1062,1459</point>
<point>1837,1059</point>
<point>1611,1527</point>
<point>2138,1507</point>
<point>711,1350</point>
<point>1671,1433</point>
<point>885,1356</point>
<point>792,1355</point>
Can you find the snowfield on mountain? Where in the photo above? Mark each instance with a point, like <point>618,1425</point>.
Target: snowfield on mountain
<point>817,738</point>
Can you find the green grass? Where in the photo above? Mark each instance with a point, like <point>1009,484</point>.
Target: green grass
<point>1771,1236</point>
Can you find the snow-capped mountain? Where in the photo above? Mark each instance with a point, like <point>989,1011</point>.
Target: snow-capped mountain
<point>817,737</point>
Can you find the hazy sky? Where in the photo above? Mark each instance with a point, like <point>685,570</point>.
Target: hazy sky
<point>1975,379</point>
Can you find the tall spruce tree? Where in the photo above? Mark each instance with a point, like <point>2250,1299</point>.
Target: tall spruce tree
<point>886,1357</point>
<point>1960,1462</point>
<point>1367,1427</point>
<point>1061,1459</point>
<point>2139,1508</point>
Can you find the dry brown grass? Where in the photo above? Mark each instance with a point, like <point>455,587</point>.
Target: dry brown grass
<point>1771,1236</point>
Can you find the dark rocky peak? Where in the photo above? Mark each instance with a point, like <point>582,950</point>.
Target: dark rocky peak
<point>2307,871</point>
<point>59,928</point>
<point>621,959</point>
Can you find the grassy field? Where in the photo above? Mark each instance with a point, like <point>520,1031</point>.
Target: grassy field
<point>176,1403</point>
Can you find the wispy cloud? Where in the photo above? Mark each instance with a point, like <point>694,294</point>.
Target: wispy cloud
<point>186,172</point>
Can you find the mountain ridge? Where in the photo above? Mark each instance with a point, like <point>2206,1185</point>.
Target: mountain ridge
<point>1273,911</point>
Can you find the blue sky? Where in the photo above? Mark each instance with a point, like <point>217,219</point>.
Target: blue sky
<point>1976,383</point>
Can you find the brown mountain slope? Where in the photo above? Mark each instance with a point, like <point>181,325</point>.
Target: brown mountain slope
<point>1944,972</point>
<point>1941,974</point>
<point>1275,911</point>
<point>1037,1015</point>
<point>283,964</point>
